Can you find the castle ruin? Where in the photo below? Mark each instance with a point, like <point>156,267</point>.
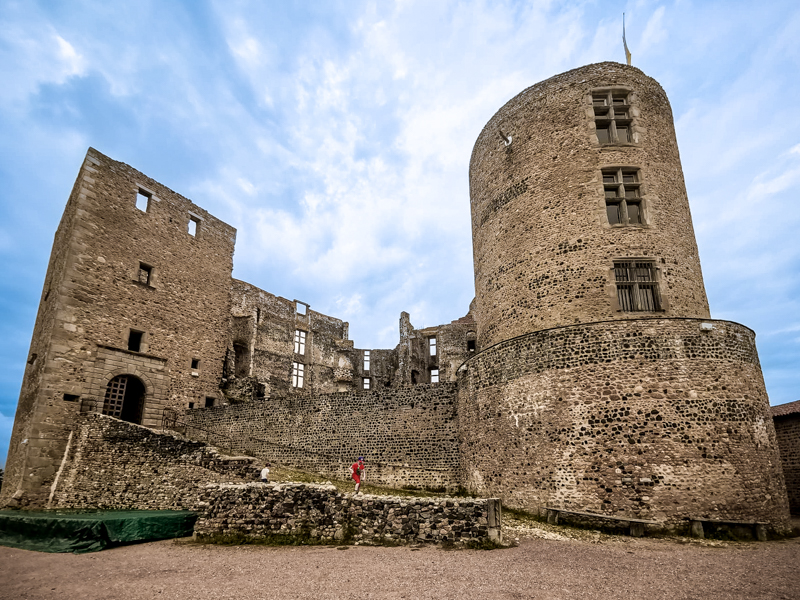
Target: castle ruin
<point>586,374</point>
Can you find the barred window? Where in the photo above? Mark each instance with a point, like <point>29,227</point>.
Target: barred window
<point>623,196</point>
<point>637,290</point>
<point>298,370</point>
<point>612,116</point>
<point>299,342</point>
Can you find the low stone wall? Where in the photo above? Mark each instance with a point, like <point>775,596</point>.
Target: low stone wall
<point>114,464</point>
<point>297,513</point>
<point>408,435</point>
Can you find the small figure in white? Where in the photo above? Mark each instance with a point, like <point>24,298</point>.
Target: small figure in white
<point>265,473</point>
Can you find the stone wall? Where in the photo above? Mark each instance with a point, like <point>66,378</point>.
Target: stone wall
<point>408,435</point>
<point>113,464</point>
<point>299,512</point>
<point>787,429</point>
<point>542,243</point>
<point>650,418</point>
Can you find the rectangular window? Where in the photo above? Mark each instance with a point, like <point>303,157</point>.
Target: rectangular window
<point>432,345</point>
<point>622,190</point>
<point>145,273</point>
<point>143,200</point>
<point>470,345</point>
<point>434,375</point>
<point>298,373</point>
<point>71,397</point>
<point>195,364</point>
<point>299,342</point>
<point>300,307</point>
<point>366,360</point>
<point>209,401</point>
<point>194,225</point>
<point>637,290</point>
<point>135,340</point>
<point>366,383</point>
<point>612,117</point>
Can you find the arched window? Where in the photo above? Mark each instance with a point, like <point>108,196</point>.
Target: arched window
<point>125,398</point>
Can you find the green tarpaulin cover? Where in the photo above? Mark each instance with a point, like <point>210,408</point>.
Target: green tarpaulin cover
<point>90,531</point>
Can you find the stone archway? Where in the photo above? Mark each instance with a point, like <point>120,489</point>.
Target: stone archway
<point>124,398</point>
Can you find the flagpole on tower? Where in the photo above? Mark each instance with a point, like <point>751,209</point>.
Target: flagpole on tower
<point>624,43</point>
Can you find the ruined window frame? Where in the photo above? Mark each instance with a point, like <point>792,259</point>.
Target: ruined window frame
<point>613,116</point>
<point>366,359</point>
<point>432,346</point>
<point>300,342</point>
<point>434,375</point>
<point>197,220</point>
<point>637,286</point>
<point>621,195</point>
<point>298,374</point>
<point>148,270</point>
<point>143,198</point>
<point>212,403</point>
<point>366,382</point>
<point>135,338</point>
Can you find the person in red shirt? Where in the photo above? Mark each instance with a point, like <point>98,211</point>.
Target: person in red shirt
<point>357,472</point>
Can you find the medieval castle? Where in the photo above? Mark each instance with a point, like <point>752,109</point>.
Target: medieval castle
<point>586,374</point>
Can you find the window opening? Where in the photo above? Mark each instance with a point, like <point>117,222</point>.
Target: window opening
<point>143,200</point>
<point>209,401</point>
<point>194,225</point>
<point>298,374</point>
<point>622,189</point>
<point>637,290</point>
<point>135,340</point>
<point>470,345</point>
<point>191,404</point>
<point>242,360</point>
<point>71,397</point>
<point>432,345</point>
<point>124,398</point>
<point>145,273</point>
<point>299,342</point>
<point>33,358</point>
<point>366,360</point>
<point>366,383</point>
<point>195,363</point>
<point>612,117</point>
<point>300,308</point>
<point>434,375</point>
<point>414,377</point>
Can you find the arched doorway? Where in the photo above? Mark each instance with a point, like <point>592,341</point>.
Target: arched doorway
<point>125,398</point>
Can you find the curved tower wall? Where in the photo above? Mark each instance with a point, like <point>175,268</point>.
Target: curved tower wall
<point>575,400</point>
<point>543,247</point>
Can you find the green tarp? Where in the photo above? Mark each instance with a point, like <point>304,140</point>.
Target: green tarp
<point>90,531</point>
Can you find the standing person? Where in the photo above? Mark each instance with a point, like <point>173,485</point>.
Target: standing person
<point>357,472</point>
<point>265,473</point>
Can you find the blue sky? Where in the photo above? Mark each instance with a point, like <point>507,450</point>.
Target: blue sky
<point>336,136</point>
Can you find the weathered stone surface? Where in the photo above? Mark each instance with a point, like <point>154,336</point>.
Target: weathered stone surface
<point>786,418</point>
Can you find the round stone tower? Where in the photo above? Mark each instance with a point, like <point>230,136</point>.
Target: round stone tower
<point>575,183</point>
<point>601,383</point>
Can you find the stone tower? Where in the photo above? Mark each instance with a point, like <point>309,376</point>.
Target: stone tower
<point>601,383</point>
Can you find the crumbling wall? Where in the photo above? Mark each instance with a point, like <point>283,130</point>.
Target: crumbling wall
<point>650,418</point>
<point>787,430</point>
<point>408,435</point>
<point>113,464</point>
<point>297,512</point>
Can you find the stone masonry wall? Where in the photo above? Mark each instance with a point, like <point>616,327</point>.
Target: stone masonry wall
<point>787,429</point>
<point>408,435</point>
<point>650,418</point>
<point>114,464</point>
<point>302,512</point>
<point>542,243</point>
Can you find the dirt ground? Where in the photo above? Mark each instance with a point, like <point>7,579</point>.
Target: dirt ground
<point>550,563</point>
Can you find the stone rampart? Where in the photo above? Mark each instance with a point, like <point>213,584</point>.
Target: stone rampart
<point>114,464</point>
<point>408,435</point>
<point>787,430</point>
<point>319,513</point>
<point>650,418</point>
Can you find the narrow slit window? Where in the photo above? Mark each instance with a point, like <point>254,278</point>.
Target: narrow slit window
<point>145,273</point>
<point>298,374</point>
<point>143,200</point>
<point>135,340</point>
<point>434,375</point>
<point>366,360</point>
<point>194,226</point>
<point>432,346</point>
<point>299,342</point>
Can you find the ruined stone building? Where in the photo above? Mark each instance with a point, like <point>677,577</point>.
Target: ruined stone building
<point>587,373</point>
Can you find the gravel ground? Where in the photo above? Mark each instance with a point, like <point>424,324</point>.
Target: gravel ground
<point>549,563</point>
